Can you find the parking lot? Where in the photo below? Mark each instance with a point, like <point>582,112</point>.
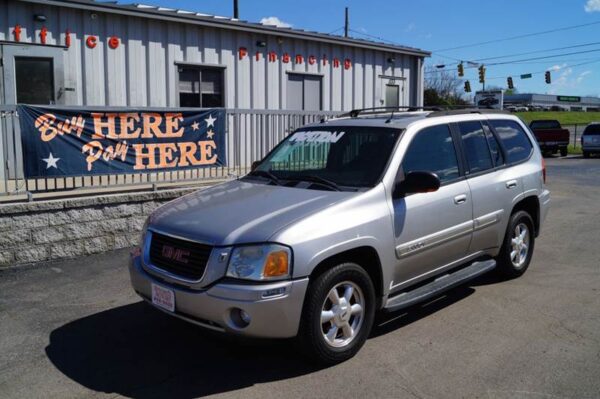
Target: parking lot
<point>75,329</point>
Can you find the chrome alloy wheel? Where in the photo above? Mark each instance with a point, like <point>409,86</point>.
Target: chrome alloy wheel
<point>520,245</point>
<point>342,314</point>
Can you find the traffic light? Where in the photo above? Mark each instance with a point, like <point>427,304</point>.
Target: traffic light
<point>548,77</point>
<point>510,83</point>
<point>461,70</point>
<point>482,74</point>
<point>467,86</point>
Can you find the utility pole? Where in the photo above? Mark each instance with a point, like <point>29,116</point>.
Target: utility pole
<point>236,10</point>
<point>346,24</point>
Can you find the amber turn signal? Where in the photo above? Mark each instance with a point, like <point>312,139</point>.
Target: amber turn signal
<point>276,264</point>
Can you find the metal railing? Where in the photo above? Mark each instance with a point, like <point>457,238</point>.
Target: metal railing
<point>250,135</point>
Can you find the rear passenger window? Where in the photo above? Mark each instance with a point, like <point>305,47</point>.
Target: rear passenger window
<point>495,149</point>
<point>476,146</point>
<point>432,150</point>
<point>515,141</point>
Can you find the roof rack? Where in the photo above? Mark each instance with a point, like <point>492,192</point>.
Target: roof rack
<point>466,111</point>
<point>438,110</point>
<point>386,110</point>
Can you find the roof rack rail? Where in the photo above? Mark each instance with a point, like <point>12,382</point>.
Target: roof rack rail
<point>386,110</point>
<point>463,111</point>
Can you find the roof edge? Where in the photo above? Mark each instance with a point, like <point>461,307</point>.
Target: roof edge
<point>161,13</point>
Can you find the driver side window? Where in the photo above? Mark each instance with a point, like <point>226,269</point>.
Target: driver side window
<point>432,150</point>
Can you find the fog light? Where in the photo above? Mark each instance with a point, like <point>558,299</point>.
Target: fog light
<point>239,318</point>
<point>245,316</point>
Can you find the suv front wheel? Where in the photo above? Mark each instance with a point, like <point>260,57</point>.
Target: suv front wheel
<point>338,314</point>
<point>517,249</point>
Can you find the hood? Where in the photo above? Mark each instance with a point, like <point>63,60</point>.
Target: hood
<point>239,212</point>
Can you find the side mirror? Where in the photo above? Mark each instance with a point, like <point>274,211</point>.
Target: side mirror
<point>417,182</point>
<point>254,165</point>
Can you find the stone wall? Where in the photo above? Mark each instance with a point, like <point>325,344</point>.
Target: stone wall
<point>66,228</point>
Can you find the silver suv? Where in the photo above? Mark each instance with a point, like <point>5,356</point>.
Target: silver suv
<point>372,211</point>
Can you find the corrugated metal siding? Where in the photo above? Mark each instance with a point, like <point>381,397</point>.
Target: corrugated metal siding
<point>142,71</point>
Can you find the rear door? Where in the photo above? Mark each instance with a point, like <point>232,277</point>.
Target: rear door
<point>492,186</point>
<point>432,229</point>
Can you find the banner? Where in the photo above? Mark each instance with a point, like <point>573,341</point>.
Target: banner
<point>71,142</point>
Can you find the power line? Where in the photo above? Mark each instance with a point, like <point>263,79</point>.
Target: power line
<point>532,52</point>
<point>519,36</point>
<point>541,72</point>
<point>338,29</point>
<point>527,59</point>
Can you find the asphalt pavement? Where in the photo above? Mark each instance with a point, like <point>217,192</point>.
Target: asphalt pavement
<point>74,329</point>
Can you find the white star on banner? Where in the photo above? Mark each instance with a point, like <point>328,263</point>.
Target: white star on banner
<point>51,161</point>
<point>195,125</point>
<point>210,121</point>
<point>210,134</point>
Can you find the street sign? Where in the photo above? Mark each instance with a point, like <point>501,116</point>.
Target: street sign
<point>526,76</point>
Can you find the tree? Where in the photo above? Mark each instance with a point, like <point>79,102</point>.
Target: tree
<point>443,88</point>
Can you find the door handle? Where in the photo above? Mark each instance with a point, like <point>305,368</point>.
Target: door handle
<point>511,184</point>
<point>460,199</point>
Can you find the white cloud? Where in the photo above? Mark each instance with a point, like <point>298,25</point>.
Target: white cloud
<point>592,6</point>
<point>410,27</point>
<point>582,76</point>
<point>275,21</point>
<point>557,68</point>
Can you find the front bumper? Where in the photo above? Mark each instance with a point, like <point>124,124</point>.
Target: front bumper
<point>214,308</point>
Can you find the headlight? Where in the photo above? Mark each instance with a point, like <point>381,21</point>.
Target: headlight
<point>260,262</point>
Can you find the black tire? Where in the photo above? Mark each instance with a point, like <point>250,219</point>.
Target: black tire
<point>505,265</point>
<point>586,154</point>
<point>310,335</point>
<point>563,152</point>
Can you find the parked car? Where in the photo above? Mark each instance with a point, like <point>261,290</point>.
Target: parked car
<point>521,108</point>
<point>370,212</point>
<point>551,137</point>
<point>590,140</point>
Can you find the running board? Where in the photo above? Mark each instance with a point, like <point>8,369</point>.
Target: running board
<point>439,285</point>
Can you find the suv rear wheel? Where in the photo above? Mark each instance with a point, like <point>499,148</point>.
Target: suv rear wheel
<point>517,249</point>
<point>564,152</point>
<point>338,314</point>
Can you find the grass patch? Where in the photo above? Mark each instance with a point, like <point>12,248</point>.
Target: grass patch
<point>565,118</point>
<point>574,149</point>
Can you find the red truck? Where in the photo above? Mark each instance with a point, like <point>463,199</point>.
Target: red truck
<point>551,137</point>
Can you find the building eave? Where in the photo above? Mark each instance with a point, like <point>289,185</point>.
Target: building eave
<point>173,15</point>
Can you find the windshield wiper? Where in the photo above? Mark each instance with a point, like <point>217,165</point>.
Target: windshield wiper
<point>266,174</point>
<point>315,179</point>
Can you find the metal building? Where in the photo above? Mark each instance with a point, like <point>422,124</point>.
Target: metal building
<point>87,53</point>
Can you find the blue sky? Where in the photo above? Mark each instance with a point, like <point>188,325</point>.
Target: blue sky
<point>440,24</point>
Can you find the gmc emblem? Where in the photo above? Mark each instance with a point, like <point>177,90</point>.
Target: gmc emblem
<point>175,254</point>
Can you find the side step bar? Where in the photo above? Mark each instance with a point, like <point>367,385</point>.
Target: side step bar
<point>439,285</point>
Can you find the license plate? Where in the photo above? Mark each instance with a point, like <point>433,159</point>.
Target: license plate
<point>163,297</point>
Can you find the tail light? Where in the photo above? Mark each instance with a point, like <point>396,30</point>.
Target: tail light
<point>544,170</point>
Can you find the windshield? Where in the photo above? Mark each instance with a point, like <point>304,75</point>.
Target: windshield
<point>592,130</point>
<point>337,157</point>
<point>545,125</point>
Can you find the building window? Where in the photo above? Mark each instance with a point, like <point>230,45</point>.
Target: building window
<point>34,80</point>
<point>201,87</point>
<point>304,92</point>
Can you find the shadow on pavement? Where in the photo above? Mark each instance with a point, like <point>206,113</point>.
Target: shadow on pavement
<point>137,351</point>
